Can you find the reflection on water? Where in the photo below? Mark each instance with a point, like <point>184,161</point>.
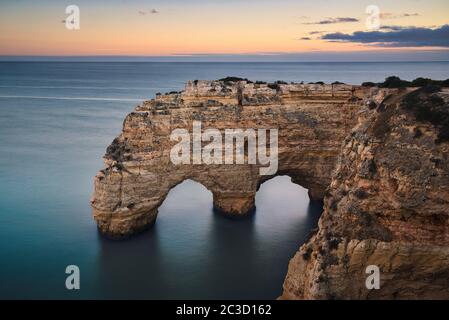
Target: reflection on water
<point>193,252</point>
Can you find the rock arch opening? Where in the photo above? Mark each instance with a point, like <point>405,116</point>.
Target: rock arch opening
<point>188,196</point>
<point>280,192</point>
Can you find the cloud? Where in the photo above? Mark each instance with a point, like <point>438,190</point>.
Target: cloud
<point>317,32</point>
<point>389,15</point>
<point>149,11</point>
<point>396,37</point>
<point>334,20</point>
<point>305,38</point>
<point>394,28</point>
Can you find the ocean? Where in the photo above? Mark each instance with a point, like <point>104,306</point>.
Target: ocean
<point>56,120</point>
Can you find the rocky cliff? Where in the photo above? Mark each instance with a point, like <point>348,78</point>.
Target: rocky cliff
<point>378,157</point>
<point>387,206</point>
<point>312,121</point>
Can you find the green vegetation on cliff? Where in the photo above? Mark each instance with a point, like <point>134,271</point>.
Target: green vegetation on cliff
<point>396,82</point>
<point>428,106</point>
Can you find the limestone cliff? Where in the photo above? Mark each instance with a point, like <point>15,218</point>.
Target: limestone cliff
<point>382,155</point>
<point>312,120</point>
<point>387,205</point>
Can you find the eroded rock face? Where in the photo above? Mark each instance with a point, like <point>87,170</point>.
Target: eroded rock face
<point>387,205</point>
<point>312,121</point>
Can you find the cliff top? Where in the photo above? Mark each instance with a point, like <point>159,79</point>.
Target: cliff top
<point>243,92</point>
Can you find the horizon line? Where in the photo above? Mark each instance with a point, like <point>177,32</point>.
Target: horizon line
<point>212,58</point>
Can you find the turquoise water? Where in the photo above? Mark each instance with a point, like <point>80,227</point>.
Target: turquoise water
<point>56,120</point>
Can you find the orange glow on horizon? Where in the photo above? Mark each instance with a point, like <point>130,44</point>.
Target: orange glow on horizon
<point>206,29</point>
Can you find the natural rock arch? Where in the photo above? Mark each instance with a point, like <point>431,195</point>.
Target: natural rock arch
<point>312,121</point>
<point>386,204</point>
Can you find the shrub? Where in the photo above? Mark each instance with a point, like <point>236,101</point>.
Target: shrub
<point>234,79</point>
<point>394,82</point>
<point>421,82</point>
<point>318,82</point>
<point>426,82</point>
<point>426,106</point>
<point>274,86</point>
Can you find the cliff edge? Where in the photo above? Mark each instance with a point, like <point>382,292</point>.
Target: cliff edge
<point>387,205</point>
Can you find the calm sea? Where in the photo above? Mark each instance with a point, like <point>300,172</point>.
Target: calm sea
<point>56,120</point>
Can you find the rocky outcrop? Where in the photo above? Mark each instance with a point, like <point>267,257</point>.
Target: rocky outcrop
<point>378,157</point>
<point>387,206</point>
<point>312,121</point>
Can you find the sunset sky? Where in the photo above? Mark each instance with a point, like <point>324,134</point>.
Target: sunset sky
<point>231,27</point>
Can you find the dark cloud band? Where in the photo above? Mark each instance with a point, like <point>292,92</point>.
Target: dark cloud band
<point>396,37</point>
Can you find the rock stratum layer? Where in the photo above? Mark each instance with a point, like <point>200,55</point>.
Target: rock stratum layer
<point>387,205</point>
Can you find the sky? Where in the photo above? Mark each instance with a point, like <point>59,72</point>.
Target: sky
<point>231,29</point>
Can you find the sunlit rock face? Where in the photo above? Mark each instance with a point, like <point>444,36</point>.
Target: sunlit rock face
<point>387,206</point>
<point>312,122</point>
